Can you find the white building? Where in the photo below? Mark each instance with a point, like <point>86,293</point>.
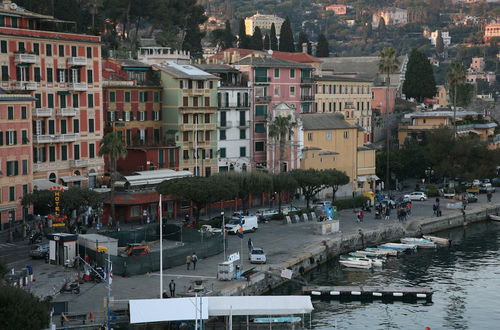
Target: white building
<point>391,16</point>
<point>444,34</point>
<point>233,118</point>
<point>264,22</point>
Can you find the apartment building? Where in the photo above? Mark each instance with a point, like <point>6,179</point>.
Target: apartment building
<point>491,30</point>
<point>62,71</point>
<point>338,9</point>
<point>189,115</point>
<point>351,97</point>
<point>264,22</point>
<point>132,108</point>
<point>281,87</point>
<point>233,118</point>
<point>391,16</point>
<point>16,172</point>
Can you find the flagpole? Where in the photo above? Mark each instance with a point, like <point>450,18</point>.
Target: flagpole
<point>161,251</point>
<point>110,274</point>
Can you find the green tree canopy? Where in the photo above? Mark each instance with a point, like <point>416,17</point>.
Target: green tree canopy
<point>303,39</point>
<point>286,42</point>
<point>334,179</point>
<point>419,77</point>
<point>439,43</point>
<point>256,41</point>
<point>249,183</point>
<point>243,39</point>
<point>310,181</point>
<point>283,181</point>
<point>323,49</point>
<point>223,38</point>
<point>455,77</point>
<point>274,39</point>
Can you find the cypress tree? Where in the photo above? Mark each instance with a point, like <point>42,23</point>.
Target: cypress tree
<point>228,36</point>
<point>267,42</point>
<point>419,78</point>
<point>286,43</point>
<point>243,40</point>
<point>439,43</point>
<point>274,39</point>
<point>303,39</point>
<point>256,40</point>
<point>323,49</point>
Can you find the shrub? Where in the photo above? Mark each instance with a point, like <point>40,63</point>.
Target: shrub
<point>278,216</point>
<point>431,190</point>
<point>350,203</point>
<point>215,222</point>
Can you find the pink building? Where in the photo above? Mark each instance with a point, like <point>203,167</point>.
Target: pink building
<point>280,88</point>
<point>337,9</point>
<point>379,98</point>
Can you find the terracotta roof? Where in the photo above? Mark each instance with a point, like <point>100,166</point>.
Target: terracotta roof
<point>271,62</point>
<point>296,57</point>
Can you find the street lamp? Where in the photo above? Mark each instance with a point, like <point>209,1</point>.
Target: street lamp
<point>428,173</point>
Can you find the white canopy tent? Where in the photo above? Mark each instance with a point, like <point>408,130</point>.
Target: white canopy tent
<point>163,310</point>
<point>259,305</point>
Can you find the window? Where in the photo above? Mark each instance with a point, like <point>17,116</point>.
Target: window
<point>156,96</point>
<point>89,52</point>
<point>142,115</point>
<point>24,137</point>
<point>292,91</point>
<point>185,118</point>
<point>74,51</point>
<point>61,50</point>
<point>14,22</point>
<point>261,110</point>
<point>185,101</point>
<point>52,154</point>
<point>38,76</point>
<point>346,134</point>
<point>185,154</point>
<point>91,125</point>
<point>76,125</point>
<point>48,50</point>
<point>292,73</point>
<point>3,46</point>
<point>309,136</point>
<point>156,115</point>
<point>276,90</point>
<point>135,211</point>
<point>243,134</point>
<point>25,167</point>
<point>52,127</point>
<point>36,48</point>
<point>12,194</point>
<point>207,118</point>
<point>76,100</point>
<point>64,128</point>
<point>25,189</point>
<point>64,152</point>
<point>222,134</point>
<point>243,151</point>
<point>61,75</point>
<point>5,73</point>
<point>11,138</point>
<point>10,113</point>
<point>20,47</point>
<point>90,76</point>
<point>276,73</point>
<point>329,136</point>
<point>90,100</point>
<point>143,96</point>
<point>112,97</point>
<point>50,75</point>
<point>127,96</point>
<point>260,128</point>
<point>76,151</point>
<point>259,146</point>
<point>222,152</point>
<point>12,168</point>
<point>91,150</point>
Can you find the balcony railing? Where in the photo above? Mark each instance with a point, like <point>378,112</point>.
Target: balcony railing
<point>307,98</point>
<point>81,162</point>
<point>67,112</point>
<point>262,99</point>
<point>234,105</point>
<point>26,58</point>
<point>77,61</point>
<point>54,138</point>
<point>244,123</point>
<point>26,85</point>
<point>262,80</point>
<point>42,112</point>
<point>224,124</point>
<point>198,127</point>
<point>306,80</point>
<point>78,86</point>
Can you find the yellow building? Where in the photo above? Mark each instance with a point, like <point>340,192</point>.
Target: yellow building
<point>351,97</point>
<point>442,96</point>
<point>264,23</point>
<point>330,142</point>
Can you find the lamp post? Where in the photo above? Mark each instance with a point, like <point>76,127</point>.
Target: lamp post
<point>429,172</point>
<point>223,234</point>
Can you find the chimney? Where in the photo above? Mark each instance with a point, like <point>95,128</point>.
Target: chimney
<point>304,47</point>
<point>314,48</point>
<point>6,4</point>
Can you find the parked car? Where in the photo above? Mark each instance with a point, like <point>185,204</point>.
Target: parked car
<point>40,251</point>
<point>418,196</point>
<point>288,209</point>
<point>471,198</point>
<point>209,229</point>
<point>136,249</point>
<point>257,256</point>
<point>449,193</point>
<point>476,182</point>
<point>486,188</point>
<point>474,189</point>
<point>249,223</point>
<point>266,214</point>
<point>322,203</point>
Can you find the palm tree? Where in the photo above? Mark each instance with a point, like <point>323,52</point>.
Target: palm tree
<point>387,65</point>
<point>112,146</point>
<point>455,77</point>
<point>282,129</point>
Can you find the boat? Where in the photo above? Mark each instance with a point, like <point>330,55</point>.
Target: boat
<point>368,254</point>
<point>494,217</point>
<point>398,247</point>
<point>376,262</point>
<point>386,252</point>
<point>422,243</point>
<point>362,263</point>
<point>284,319</point>
<point>438,240</point>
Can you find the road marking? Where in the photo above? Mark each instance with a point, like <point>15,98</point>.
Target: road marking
<point>7,245</point>
<point>180,275</point>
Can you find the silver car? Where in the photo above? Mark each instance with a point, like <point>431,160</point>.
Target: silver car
<point>257,256</point>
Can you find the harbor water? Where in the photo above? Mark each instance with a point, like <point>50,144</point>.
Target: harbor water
<point>465,278</point>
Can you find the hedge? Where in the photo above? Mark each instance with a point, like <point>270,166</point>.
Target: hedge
<point>350,203</point>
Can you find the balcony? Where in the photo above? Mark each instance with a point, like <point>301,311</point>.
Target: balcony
<point>25,58</point>
<point>224,124</point>
<point>306,80</point>
<point>42,112</point>
<point>67,112</point>
<point>245,123</point>
<point>198,127</point>
<point>77,86</point>
<point>233,105</point>
<point>307,98</point>
<point>81,163</point>
<point>263,99</point>
<point>77,61</point>
<point>54,138</point>
<point>262,80</point>
<point>26,85</point>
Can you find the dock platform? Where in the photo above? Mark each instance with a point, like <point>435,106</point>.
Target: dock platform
<point>369,292</point>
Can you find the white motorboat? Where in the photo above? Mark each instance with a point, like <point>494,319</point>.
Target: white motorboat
<point>363,263</point>
<point>438,240</point>
<point>422,243</point>
<point>376,261</point>
<point>398,247</point>
<point>386,252</point>
<point>368,254</point>
<point>494,217</point>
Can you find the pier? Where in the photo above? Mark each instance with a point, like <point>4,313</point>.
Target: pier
<point>369,292</point>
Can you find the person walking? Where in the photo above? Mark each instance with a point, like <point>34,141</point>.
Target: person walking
<point>250,245</point>
<point>171,286</point>
<point>361,215</point>
<point>387,213</point>
<point>488,196</point>
<point>194,260</point>
<point>188,261</point>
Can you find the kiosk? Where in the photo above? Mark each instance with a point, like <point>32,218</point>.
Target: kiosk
<point>62,248</point>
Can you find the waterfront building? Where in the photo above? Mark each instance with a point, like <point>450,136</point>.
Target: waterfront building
<point>132,107</point>
<point>62,71</point>
<point>233,118</point>
<point>16,160</point>
<point>330,142</point>
<point>189,115</point>
<point>264,22</point>
<point>280,86</point>
<point>350,96</point>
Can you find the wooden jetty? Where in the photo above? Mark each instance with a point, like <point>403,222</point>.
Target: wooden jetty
<point>369,292</point>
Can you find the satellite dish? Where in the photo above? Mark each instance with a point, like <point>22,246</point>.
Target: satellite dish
<point>270,52</point>
<point>13,6</point>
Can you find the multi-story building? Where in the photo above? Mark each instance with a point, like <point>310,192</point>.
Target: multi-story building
<point>350,96</point>
<point>280,88</point>
<point>233,118</point>
<point>16,163</point>
<point>132,107</point>
<point>391,16</point>
<point>338,9</point>
<point>157,55</point>
<point>476,72</point>
<point>491,30</point>
<point>444,34</point>
<point>264,22</point>
<point>62,71</point>
<point>189,115</point>
<point>330,142</point>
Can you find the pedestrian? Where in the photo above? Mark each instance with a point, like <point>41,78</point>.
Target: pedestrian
<point>438,210</point>
<point>171,286</point>
<point>387,213</point>
<point>194,260</point>
<point>362,215</point>
<point>188,261</point>
<point>434,209</point>
<point>409,205</point>
<point>488,196</point>
<point>358,217</point>
<point>250,245</point>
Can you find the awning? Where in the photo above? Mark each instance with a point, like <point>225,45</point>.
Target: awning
<point>362,179</point>
<point>374,177</point>
<point>44,184</point>
<point>74,178</point>
<point>8,207</point>
<point>259,305</point>
<point>164,310</point>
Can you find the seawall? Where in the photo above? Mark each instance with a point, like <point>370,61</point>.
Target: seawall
<point>340,243</point>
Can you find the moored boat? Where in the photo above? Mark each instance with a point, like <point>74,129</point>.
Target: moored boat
<point>376,262</point>
<point>398,247</point>
<point>438,240</point>
<point>386,252</point>
<point>422,243</point>
<point>368,254</point>
<point>362,263</point>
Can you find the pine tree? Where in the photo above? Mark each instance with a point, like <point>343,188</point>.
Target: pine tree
<point>323,49</point>
<point>274,39</point>
<point>439,43</point>
<point>287,43</point>
<point>256,40</point>
<point>419,78</point>
<point>267,42</point>
<point>243,39</point>
<point>381,25</point>
<point>303,39</point>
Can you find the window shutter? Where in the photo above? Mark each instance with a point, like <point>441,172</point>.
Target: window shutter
<point>16,168</point>
<point>15,138</point>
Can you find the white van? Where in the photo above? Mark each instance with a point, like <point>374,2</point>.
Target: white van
<point>248,222</point>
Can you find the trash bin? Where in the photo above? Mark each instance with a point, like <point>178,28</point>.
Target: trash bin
<point>30,269</point>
